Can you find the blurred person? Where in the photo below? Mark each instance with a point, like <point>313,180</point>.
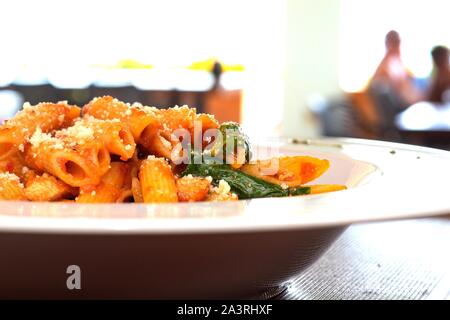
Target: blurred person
<point>216,71</point>
<point>392,72</point>
<point>440,82</point>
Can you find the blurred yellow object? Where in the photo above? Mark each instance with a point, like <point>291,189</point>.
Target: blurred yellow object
<point>124,64</point>
<point>208,65</point>
<point>132,64</point>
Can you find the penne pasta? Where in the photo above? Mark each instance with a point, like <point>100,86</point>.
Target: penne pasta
<point>121,152</point>
<point>47,188</point>
<point>289,171</point>
<point>134,165</point>
<point>11,141</point>
<point>45,116</point>
<point>176,118</point>
<point>125,196</point>
<point>102,193</point>
<point>137,117</point>
<point>109,189</point>
<point>136,190</point>
<point>157,181</point>
<point>161,140</point>
<point>207,122</point>
<point>14,164</point>
<point>158,145</point>
<point>116,137</point>
<point>193,188</point>
<point>76,167</point>
<point>10,187</point>
<point>116,175</point>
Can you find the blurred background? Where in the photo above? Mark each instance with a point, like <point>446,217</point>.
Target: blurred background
<point>297,68</point>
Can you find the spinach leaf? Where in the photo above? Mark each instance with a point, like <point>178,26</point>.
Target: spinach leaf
<point>244,185</point>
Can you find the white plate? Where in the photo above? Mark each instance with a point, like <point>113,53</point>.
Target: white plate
<point>215,250</point>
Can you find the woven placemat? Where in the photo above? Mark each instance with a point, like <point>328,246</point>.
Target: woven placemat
<point>390,260</point>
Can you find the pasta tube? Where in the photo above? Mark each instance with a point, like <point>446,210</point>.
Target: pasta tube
<point>47,188</point>
<point>289,171</point>
<point>157,181</point>
<point>10,187</point>
<point>45,116</point>
<point>116,137</point>
<point>193,188</point>
<point>14,164</point>
<point>110,187</point>
<point>136,190</point>
<point>136,117</point>
<point>83,165</point>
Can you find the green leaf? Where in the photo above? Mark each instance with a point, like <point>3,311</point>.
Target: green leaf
<point>244,185</point>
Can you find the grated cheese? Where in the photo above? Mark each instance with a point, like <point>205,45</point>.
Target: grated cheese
<point>11,177</point>
<point>80,131</point>
<point>39,137</point>
<point>162,160</point>
<point>222,189</point>
<point>27,106</point>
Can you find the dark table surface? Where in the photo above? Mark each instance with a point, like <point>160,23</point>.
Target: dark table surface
<point>426,124</point>
<point>390,260</point>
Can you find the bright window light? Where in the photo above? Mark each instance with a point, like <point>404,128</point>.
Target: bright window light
<point>60,41</point>
<point>165,33</point>
<point>364,23</point>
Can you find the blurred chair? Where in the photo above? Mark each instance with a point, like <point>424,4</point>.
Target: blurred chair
<point>158,98</point>
<point>193,99</point>
<point>126,93</point>
<point>388,104</point>
<point>336,116</point>
<point>366,113</point>
<point>35,93</point>
<point>225,105</point>
<point>78,96</point>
